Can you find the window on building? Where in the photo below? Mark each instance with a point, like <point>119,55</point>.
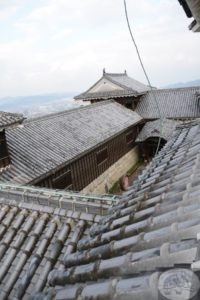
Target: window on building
<point>128,105</point>
<point>4,158</point>
<point>102,156</point>
<point>129,137</point>
<point>3,150</point>
<point>63,181</point>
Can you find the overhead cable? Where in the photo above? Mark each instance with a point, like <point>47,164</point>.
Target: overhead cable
<point>145,73</point>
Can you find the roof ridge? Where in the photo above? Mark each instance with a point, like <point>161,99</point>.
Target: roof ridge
<point>67,111</point>
<point>178,88</point>
<point>11,113</point>
<point>109,77</point>
<point>116,74</point>
<point>123,85</point>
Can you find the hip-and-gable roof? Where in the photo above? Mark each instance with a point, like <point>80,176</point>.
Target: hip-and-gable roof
<point>114,85</point>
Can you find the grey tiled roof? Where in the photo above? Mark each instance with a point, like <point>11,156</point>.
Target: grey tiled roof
<point>158,128</point>
<point>7,119</point>
<point>42,144</point>
<point>173,103</point>
<point>53,253</point>
<point>153,226</point>
<point>131,87</point>
<point>68,200</point>
<point>127,82</point>
<point>107,95</point>
<point>36,232</point>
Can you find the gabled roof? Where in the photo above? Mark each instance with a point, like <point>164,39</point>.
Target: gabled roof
<point>123,80</point>
<point>9,119</point>
<point>43,144</point>
<point>152,228</point>
<point>173,103</point>
<point>158,128</point>
<point>127,87</point>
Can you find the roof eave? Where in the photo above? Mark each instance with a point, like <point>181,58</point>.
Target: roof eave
<point>133,94</point>
<point>52,171</point>
<point>194,26</point>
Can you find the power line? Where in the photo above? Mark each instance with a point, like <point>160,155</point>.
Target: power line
<point>145,73</point>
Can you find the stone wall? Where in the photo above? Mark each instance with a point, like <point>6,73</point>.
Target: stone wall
<point>112,174</point>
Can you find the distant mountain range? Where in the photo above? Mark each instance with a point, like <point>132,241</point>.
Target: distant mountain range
<point>183,84</point>
<point>13,102</point>
<point>32,106</point>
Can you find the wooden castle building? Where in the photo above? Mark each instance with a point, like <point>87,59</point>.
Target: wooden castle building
<point>118,86</point>
<point>53,247</point>
<point>83,149</point>
<point>170,105</point>
<point>7,120</point>
<point>70,149</point>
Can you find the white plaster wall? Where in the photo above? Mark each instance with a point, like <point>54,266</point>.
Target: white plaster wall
<point>112,174</point>
<point>104,85</point>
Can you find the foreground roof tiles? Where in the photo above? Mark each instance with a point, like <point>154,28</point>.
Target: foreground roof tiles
<point>173,103</point>
<point>153,226</point>
<point>59,138</point>
<point>8,119</point>
<point>35,237</point>
<point>46,252</point>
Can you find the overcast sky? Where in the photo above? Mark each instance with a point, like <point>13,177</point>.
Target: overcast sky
<point>62,45</point>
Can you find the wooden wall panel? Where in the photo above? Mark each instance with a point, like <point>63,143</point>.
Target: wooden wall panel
<point>4,156</point>
<point>86,169</point>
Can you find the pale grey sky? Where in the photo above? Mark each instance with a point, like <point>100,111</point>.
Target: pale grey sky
<point>62,46</point>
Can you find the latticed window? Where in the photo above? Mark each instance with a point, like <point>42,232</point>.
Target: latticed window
<point>63,181</point>
<point>129,137</point>
<point>4,158</point>
<point>102,156</point>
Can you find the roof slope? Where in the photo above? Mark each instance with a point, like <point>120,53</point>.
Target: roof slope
<point>8,119</point>
<point>158,128</point>
<point>127,82</point>
<point>43,144</point>
<point>173,103</point>
<point>128,87</point>
<point>37,231</point>
<point>153,226</point>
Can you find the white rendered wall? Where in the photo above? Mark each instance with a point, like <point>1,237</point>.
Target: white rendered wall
<point>113,173</point>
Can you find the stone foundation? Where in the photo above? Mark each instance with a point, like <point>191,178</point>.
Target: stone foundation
<point>112,174</point>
